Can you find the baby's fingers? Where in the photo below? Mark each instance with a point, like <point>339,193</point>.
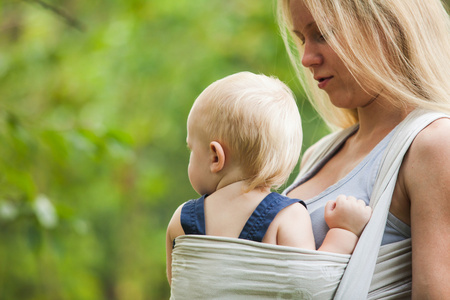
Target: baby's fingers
<point>329,209</point>
<point>330,206</point>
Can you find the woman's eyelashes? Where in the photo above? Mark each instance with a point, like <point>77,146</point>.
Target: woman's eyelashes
<point>319,37</point>
<point>316,37</point>
<point>300,37</point>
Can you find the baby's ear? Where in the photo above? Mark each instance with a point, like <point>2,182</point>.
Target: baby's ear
<point>218,157</point>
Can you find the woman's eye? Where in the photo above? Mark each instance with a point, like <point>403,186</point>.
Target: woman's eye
<point>300,37</point>
<point>320,37</point>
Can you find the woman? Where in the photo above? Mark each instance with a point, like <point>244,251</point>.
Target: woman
<point>373,62</point>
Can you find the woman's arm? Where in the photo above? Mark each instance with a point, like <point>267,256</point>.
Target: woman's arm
<point>426,180</point>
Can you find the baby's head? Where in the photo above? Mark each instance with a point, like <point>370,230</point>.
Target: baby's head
<point>256,120</point>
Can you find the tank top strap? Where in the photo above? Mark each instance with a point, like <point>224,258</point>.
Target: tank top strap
<point>260,220</point>
<point>193,216</point>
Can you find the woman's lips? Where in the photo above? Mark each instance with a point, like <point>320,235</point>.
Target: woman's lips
<point>324,81</point>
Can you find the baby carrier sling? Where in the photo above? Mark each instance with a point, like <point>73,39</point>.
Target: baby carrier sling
<point>206,267</point>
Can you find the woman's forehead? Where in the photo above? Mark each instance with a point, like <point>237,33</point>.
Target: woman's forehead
<point>302,20</point>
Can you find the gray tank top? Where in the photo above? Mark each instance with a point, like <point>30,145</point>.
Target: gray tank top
<point>358,183</point>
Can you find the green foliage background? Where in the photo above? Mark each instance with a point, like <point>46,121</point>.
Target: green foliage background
<point>94,100</point>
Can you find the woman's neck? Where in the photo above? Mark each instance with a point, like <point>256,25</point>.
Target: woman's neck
<point>378,119</point>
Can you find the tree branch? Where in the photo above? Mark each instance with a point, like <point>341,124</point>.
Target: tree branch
<point>71,21</point>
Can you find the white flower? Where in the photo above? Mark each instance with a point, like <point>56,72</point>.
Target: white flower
<point>45,212</point>
<point>8,211</point>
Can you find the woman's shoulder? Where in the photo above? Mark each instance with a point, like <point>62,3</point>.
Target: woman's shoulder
<point>433,140</point>
<point>429,154</point>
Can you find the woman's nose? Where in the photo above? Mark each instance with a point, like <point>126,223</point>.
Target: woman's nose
<point>311,56</point>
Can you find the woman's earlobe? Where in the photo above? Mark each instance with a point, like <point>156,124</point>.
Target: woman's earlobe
<point>218,157</point>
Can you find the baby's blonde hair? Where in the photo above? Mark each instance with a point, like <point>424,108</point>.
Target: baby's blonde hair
<point>257,119</point>
<point>400,48</point>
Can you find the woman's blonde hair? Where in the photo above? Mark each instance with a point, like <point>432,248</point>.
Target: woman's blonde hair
<point>256,117</point>
<point>398,48</point>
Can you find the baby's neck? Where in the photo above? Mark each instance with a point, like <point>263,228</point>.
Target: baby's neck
<point>239,188</point>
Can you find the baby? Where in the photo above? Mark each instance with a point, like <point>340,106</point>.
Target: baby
<point>244,134</point>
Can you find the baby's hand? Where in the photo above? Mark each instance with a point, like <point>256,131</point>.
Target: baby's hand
<point>347,213</point>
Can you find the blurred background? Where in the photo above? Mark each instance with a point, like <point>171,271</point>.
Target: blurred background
<point>94,97</point>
